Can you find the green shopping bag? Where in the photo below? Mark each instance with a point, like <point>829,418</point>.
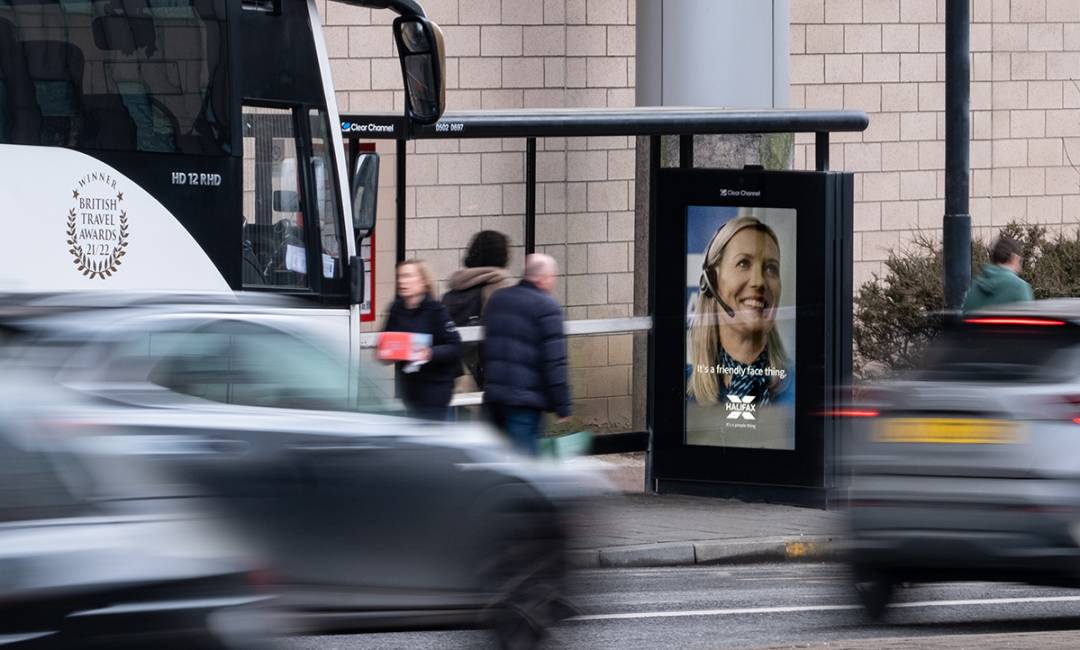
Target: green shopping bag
<point>567,445</point>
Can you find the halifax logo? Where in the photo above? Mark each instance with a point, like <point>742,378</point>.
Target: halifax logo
<point>741,407</point>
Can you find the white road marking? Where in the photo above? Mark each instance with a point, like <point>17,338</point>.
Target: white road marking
<point>788,579</point>
<point>715,612</point>
<point>988,601</point>
<point>823,608</point>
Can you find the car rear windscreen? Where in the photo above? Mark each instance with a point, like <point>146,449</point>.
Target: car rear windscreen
<point>995,353</point>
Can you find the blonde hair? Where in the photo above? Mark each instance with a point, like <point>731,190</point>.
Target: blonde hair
<point>705,326</point>
<point>425,272</point>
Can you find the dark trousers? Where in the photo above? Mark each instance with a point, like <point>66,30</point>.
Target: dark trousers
<point>520,423</point>
<point>429,400</point>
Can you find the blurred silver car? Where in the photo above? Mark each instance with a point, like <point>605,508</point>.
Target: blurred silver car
<point>969,469</point>
<point>366,519</point>
<point>86,563</point>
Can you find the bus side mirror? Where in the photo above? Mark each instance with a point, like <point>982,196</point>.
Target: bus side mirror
<point>356,281</point>
<point>423,60</point>
<point>365,193</point>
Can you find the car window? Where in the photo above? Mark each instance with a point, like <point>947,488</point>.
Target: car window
<point>987,353</point>
<point>252,365</point>
<point>285,371</point>
<point>193,363</point>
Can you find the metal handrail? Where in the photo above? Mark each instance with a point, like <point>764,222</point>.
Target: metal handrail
<point>588,327</point>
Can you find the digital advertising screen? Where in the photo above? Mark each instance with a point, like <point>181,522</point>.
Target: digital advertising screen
<point>740,327</point>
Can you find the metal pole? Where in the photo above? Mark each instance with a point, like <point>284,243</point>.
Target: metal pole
<point>401,178</point>
<point>821,151</point>
<point>530,196</point>
<point>650,383</point>
<point>686,152</point>
<point>956,226</point>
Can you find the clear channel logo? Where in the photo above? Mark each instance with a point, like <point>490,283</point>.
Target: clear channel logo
<point>356,127</point>
<point>739,193</point>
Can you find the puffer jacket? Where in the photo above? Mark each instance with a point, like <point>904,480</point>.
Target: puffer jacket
<point>524,350</point>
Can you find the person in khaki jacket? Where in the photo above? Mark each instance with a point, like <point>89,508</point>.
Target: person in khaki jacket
<point>471,288</point>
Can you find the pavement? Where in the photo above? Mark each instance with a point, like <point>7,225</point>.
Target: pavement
<point>635,529</point>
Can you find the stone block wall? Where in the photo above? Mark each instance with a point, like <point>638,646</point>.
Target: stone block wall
<point>887,57</point>
<point>882,56</point>
<point>515,54</point>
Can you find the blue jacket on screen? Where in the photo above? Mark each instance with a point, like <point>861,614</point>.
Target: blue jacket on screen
<point>524,350</point>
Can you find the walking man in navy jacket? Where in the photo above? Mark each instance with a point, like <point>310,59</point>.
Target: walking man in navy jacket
<point>524,354</point>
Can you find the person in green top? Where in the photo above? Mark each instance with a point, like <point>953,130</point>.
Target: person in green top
<point>999,281</point>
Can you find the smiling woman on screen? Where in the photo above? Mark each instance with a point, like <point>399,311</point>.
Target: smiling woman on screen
<point>735,349</point>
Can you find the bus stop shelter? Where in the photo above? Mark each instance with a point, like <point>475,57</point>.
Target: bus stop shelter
<point>822,199</point>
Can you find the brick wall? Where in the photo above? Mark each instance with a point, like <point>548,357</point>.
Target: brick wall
<point>513,54</point>
<point>887,57</point>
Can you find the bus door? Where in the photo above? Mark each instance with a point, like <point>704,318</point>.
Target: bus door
<point>293,237</point>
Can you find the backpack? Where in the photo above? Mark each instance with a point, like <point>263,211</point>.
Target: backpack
<point>465,306</point>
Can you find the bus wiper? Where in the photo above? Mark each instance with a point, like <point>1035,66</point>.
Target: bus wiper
<point>401,7</point>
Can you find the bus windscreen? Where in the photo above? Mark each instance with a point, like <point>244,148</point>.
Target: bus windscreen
<point>149,75</point>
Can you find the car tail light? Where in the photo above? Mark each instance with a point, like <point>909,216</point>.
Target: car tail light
<point>852,413</point>
<point>261,578</point>
<point>1018,321</point>
<point>1072,401</point>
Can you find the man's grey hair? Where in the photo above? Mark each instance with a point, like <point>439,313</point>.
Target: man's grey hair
<point>538,265</point>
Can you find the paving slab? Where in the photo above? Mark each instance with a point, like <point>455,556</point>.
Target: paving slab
<point>635,529</point>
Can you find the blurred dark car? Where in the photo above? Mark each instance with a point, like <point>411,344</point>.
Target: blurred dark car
<point>366,519</point>
<point>78,572</point>
<point>969,469</point>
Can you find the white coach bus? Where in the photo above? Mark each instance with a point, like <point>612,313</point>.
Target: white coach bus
<point>189,146</point>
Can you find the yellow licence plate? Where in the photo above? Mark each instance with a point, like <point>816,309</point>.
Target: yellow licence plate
<point>948,431</point>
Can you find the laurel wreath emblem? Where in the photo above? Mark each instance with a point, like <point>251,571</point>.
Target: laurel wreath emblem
<point>100,268</point>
